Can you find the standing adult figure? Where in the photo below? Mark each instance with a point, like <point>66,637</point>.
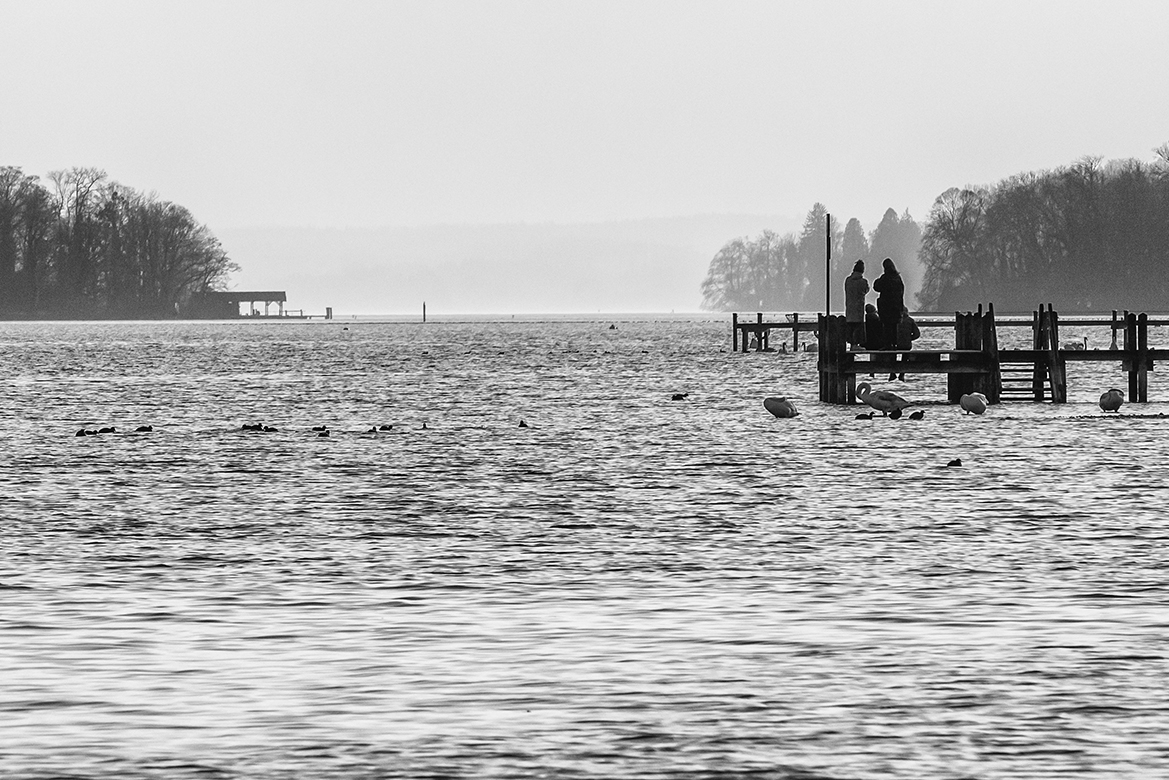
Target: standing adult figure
<point>890,301</point>
<point>855,289</point>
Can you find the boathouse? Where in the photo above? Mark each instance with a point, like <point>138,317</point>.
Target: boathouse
<point>226,305</point>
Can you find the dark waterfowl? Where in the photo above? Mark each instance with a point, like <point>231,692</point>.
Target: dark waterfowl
<point>679,396</point>
<point>865,416</point>
<point>385,427</point>
<point>268,429</point>
<point>322,433</point>
<point>918,415</point>
<point>522,423</point>
<point>320,428</point>
<point>955,462</point>
<point>144,429</point>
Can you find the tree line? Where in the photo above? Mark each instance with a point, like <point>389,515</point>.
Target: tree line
<point>778,273</point>
<point>1088,236</point>
<point>83,246</point>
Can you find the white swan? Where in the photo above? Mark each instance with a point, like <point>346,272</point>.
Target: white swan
<point>881,400</point>
<point>1111,401</point>
<point>780,407</point>
<point>973,403</point>
<point>1076,345</point>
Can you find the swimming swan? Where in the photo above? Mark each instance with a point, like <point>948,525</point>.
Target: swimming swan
<point>973,403</point>
<point>780,407</point>
<point>1076,345</point>
<point>881,400</point>
<point>1111,401</point>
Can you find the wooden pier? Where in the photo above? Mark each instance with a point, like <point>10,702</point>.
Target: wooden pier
<point>976,363</point>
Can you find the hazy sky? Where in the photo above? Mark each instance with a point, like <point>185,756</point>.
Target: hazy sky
<point>410,113</point>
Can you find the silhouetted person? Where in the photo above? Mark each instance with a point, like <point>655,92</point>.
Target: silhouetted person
<point>907,330</point>
<point>855,289</point>
<point>874,337</point>
<point>907,333</point>
<point>890,301</point>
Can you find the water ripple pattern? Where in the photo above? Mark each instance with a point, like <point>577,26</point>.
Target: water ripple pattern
<point>628,587</point>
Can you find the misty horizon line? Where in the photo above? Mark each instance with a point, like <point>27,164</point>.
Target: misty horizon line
<point>513,223</point>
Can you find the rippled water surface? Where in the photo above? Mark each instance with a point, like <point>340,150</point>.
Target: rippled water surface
<point>630,587</point>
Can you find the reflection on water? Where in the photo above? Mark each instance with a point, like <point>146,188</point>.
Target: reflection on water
<point>629,587</point>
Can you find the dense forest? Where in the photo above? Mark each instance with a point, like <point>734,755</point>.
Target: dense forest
<point>1089,236</point>
<point>86,247</point>
<point>778,273</point>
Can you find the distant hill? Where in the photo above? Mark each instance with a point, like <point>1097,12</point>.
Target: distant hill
<point>632,266</point>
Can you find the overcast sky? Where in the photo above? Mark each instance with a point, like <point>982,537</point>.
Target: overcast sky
<point>411,113</point>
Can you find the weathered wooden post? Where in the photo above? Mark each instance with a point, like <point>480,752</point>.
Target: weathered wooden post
<point>1143,358</point>
<point>822,358</point>
<point>759,332</point>
<point>1038,372</point>
<point>1114,328</point>
<point>1130,348</point>
<point>990,384</point>
<point>1056,367</point>
<point>734,331</point>
<point>967,336</point>
<point>833,359</point>
<point>796,332</point>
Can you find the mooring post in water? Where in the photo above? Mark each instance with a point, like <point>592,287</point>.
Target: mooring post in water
<point>1130,348</point>
<point>834,361</point>
<point>759,332</point>
<point>734,331</point>
<point>1038,372</point>
<point>1114,328</point>
<point>1056,368</point>
<point>992,380</point>
<point>796,332</point>
<point>1143,358</point>
<point>424,311</point>
<point>967,336</point>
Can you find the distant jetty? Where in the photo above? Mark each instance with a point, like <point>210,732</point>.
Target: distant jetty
<point>976,363</point>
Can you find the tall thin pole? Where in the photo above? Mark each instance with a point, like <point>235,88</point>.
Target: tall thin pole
<point>424,311</point>
<point>828,265</point>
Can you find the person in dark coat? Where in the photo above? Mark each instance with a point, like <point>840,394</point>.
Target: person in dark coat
<point>855,289</point>
<point>873,335</point>
<point>907,333</point>
<point>907,330</point>
<point>890,301</point>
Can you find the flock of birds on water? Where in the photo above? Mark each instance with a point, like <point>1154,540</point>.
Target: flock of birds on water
<point>890,404</point>
<point>320,430</point>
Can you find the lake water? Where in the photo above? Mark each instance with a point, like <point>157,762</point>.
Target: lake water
<point>630,587</point>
